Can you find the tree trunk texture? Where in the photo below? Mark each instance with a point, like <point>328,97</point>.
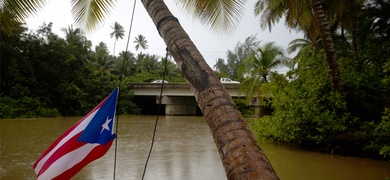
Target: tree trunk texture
<point>327,42</point>
<point>240,153</point>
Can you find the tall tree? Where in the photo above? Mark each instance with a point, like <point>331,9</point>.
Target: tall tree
<point>76,40</point>
<point>71,34</point>
<point>141,43</point>
<point>304,15</point>
<point>258,67</point>
<point>169,68</point>
<point>221,67</point>
<point>238,149</point>
<point>329,48</point>
<point>101,60</point>
<point>298,44</point>
<point>129,67</point>
<point>240,52</point>
<point>150,64</point>
<point>118,32</point>
<point>138,61</point>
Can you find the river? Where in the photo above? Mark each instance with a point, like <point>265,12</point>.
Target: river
<point>183,150</point>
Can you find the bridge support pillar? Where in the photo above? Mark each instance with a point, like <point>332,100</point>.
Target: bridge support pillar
<point>175,105</point>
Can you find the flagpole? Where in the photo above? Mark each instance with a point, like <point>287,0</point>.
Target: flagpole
<point>119,85</point>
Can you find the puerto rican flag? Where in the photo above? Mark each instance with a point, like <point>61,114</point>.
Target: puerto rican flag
<point>86,141</point>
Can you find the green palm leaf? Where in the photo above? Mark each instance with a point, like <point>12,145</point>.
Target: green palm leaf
<point>14,12</point>
<point>221,16</point>
<point>89,13</point>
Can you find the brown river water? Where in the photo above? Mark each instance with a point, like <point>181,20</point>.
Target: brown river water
<point>183,150</point>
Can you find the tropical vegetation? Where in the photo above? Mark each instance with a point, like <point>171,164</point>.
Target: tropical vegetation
<point>257,67</point>
<point>44,75</point>
<point>339,100</point>
<point>348,116</point>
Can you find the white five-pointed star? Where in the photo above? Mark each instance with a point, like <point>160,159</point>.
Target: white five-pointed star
<point>105,125</point>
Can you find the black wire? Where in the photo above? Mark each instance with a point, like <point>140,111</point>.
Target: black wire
<point>158,114</point>
<point>119,85</point>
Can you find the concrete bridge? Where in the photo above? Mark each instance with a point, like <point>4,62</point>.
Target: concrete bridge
<point>177,98</point>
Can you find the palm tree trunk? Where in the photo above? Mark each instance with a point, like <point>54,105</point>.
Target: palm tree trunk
<point>354,38</point>
<point>113,53</point>
<point>238,149</point>
<point>327,41</point>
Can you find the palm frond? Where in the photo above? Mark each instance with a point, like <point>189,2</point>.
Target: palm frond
<point>221,16</point>
<point>15,12</point>
<point>296,44</point>
<point>90,13</point>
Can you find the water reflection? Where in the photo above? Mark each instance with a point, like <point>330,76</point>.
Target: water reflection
<point>183,149</point>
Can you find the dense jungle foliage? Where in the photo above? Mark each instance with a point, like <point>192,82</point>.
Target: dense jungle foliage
<point>44,75</point>
<point>303,106</point>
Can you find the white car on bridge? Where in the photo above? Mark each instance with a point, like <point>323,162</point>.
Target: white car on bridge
<point>228,80</point>
<point>159,81</point>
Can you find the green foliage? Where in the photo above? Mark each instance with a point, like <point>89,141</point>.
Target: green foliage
<point>303,107</point>
<point>243,107</point>
<point>378,139</point>
<point>45,75</point>
<point>305,110</point>
<point>143,77</point>
<point>25,107</point>
<point>125,104</point>
<point>221,68</point>
<point>236,56</point>
<point>73,98</point>
<point>386,71</point>
<point>385,151</point>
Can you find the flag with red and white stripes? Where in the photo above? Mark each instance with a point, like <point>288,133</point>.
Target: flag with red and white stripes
<point>86,141</point>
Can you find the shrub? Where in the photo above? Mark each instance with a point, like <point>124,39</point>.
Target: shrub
<point>25,107</point>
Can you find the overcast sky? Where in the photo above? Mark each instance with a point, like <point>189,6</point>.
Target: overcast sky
<point>211,45</point>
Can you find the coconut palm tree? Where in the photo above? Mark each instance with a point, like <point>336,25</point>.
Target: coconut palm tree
<point>71,34</point>
<point>329,48</point>
<point>299,44</point>
<point>221,66</point>
<point>150,63</point>
<point>241,51</point>
<point>126,67</point>
<point>141,43</point>
<point>118,32</point>
<point>101,59</point>
<point>239,151</point>
<point>258,67</point>
<point>304,14</point>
